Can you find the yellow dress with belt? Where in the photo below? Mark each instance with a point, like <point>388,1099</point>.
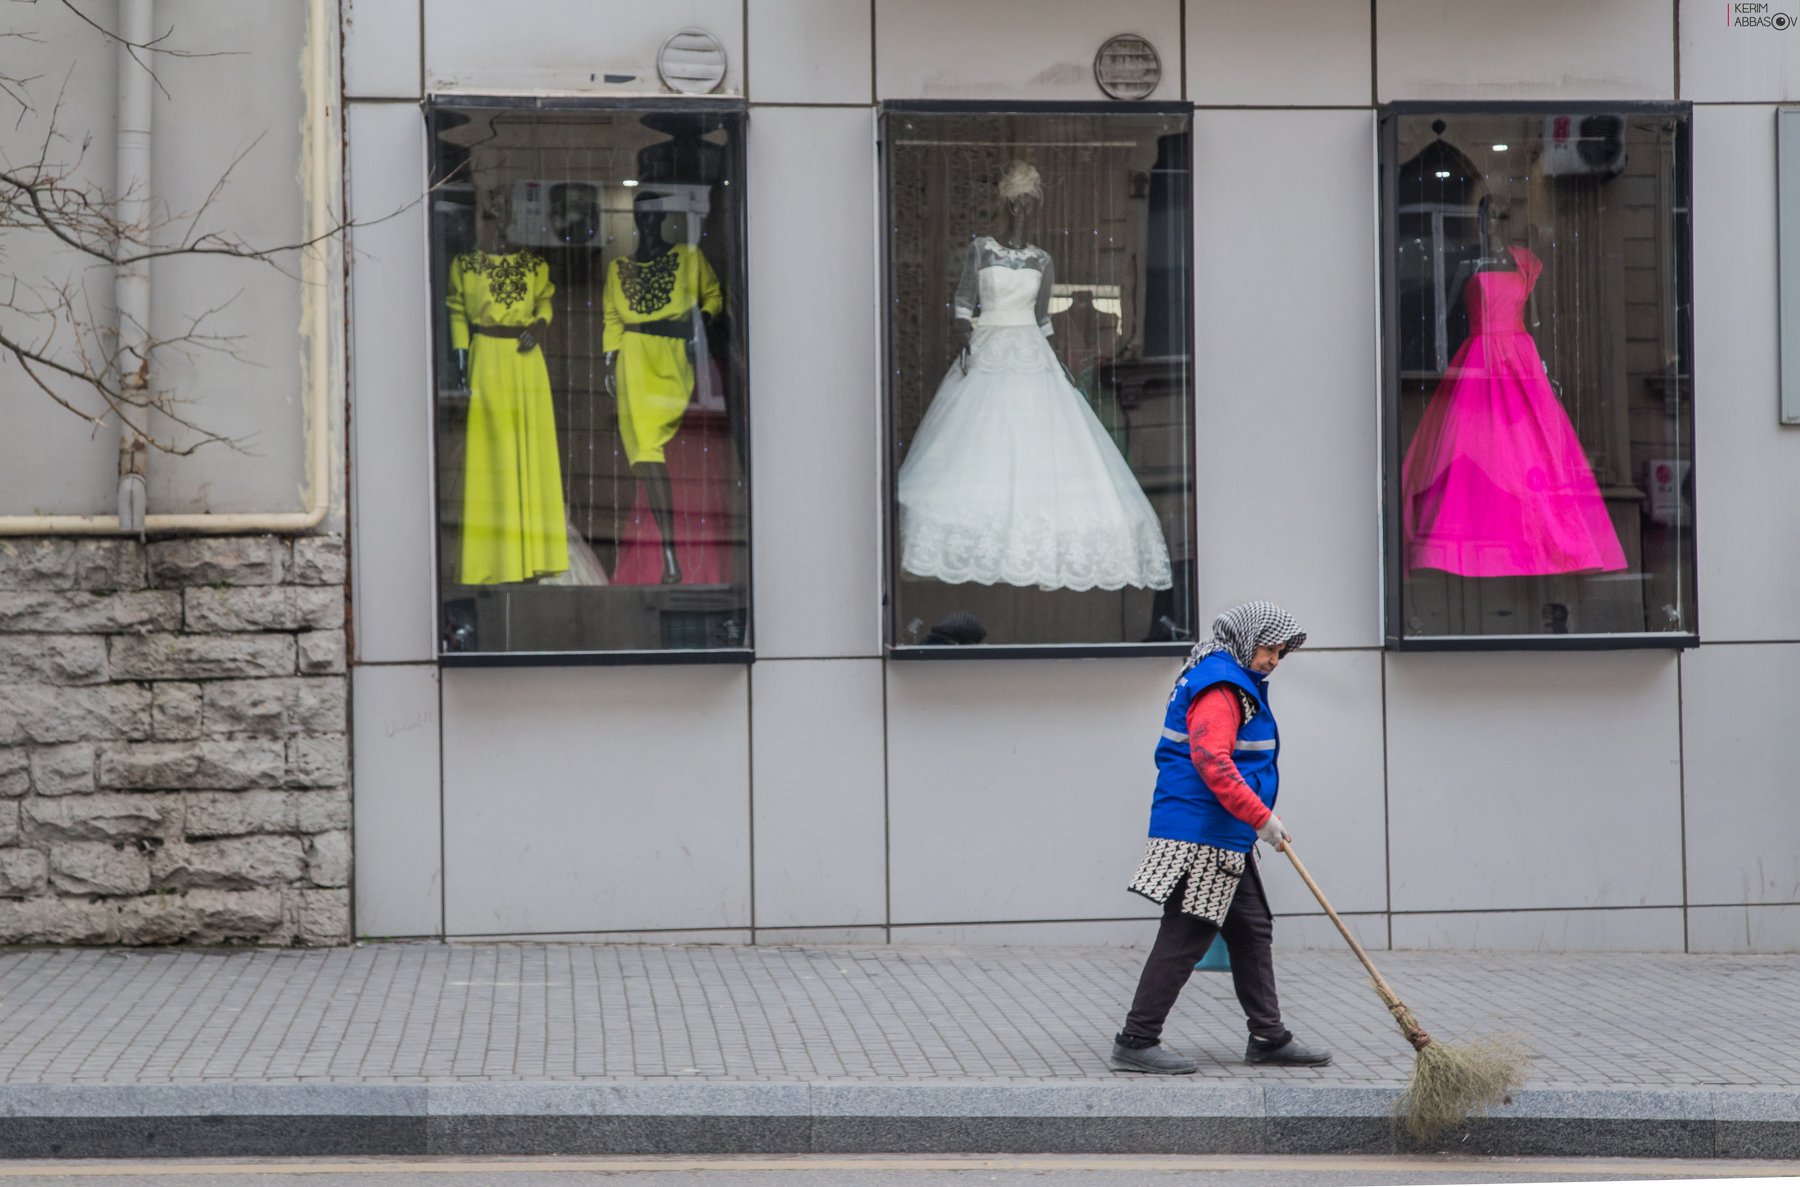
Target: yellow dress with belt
<point>655,376</point>
<point>513,524</point>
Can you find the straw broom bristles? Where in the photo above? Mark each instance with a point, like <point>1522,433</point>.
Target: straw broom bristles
<point>1452,1081</point>
<point>1449,1081</point>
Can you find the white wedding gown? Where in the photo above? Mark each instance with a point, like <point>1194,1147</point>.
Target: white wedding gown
<point>1011,477</point>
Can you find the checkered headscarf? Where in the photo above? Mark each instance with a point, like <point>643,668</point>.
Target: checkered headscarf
<point>1241,629</point>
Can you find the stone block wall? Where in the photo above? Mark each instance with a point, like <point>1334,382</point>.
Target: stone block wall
<point>174,741</point>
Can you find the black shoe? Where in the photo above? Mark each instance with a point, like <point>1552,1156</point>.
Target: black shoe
<point>1287,1051</point>
<point>1157,1060</point>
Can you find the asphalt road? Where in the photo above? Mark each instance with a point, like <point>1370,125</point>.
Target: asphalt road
<point>879,1171</point>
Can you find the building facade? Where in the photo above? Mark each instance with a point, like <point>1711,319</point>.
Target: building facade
<point>783,450</point>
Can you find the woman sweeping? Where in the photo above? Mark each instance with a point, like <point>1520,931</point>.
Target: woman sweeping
<point>1215,796</point>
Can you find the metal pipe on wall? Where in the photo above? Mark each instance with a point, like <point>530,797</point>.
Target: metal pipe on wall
<point>131,282</point>
<point>320,367</point>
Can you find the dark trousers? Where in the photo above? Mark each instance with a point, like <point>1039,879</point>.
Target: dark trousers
<point>1249,932</point>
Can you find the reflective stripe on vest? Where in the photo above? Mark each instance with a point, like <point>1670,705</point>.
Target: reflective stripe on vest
<point>1184,808</point>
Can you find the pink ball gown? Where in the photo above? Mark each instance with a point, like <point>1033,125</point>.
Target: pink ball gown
<point>1495,482</point>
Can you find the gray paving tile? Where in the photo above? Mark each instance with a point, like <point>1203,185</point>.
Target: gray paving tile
<point>436,1013</point>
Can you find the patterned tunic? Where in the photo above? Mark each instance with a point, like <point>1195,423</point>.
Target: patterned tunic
<point>1212,876</point>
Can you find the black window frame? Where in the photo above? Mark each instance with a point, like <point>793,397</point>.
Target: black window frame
<point>1392,527</point>
<point>459,101</point>
<point>890,544</point>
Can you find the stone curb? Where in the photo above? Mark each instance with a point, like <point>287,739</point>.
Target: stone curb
<point>1133,1116</point>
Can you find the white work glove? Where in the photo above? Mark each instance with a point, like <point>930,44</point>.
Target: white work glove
<point>1273,832</point>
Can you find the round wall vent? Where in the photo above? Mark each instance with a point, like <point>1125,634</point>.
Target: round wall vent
<point>1127,67</point>
<point>692,62</point>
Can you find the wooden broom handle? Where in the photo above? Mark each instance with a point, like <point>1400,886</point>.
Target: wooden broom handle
<point>1395,1006</point>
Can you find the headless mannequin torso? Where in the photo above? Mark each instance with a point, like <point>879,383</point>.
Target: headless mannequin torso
<point>654,476</point>
<point>1019,210</point>
<point>491,239</point>
<point>1496,256</point>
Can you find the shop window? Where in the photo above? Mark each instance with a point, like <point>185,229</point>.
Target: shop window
<point>591,395</point>
<point>1039,379</point>
<point>1539,417</point>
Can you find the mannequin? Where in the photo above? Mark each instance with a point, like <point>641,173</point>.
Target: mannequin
<point>514,525</point>
<point>1021,204</point>
<point>655,302</point>
<point>1495,482</point>
<point>1495,256</point>
<point>491,239</point>
<point>1493,239</point>
<point>1010,478</point>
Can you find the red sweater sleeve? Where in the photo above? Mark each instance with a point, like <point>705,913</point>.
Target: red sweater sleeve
<point>1213,719</point>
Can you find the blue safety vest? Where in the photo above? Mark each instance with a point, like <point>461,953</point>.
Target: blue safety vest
<point>1185,809</point>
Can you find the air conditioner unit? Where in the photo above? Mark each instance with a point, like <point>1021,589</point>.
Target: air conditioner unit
<point>554,212</point>
<point>1584,145</point>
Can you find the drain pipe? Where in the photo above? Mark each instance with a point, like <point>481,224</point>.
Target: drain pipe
<point>131,285</point>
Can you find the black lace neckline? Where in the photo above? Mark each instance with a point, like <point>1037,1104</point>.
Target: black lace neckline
<point>649,284</point>
<point>508,276</point>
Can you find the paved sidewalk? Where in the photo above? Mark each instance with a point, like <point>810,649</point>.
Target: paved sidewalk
<point>549,1048</point>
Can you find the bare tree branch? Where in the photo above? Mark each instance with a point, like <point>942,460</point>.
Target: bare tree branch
<point>139,48</point>
<point>69,351</point>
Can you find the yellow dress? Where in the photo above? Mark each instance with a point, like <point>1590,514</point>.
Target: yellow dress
<point>513,524</point>
<point>654,373</point>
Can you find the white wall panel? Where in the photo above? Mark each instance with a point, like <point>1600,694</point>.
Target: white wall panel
<point>596,799</point>
<point>733,936</point>
<point>395,778</point>
<point>819,774</point>
<point>821,935</point>
<point>813,382</point>
<point>1014,49</point>
<point>53,462</point>
<point>809,51</point>
<point>1533,780</point>
<point>1306,53</point>
<point>1513,794</point>
<point>1525,49</point>
<point>381,49</point>
<point>390,388</point>
<point>1020,789</point>
<point>570,45</point>
<point>1744,929</point>
<point>237,108</point>
<point>1102,933</point>
<point>1317,930</point>
<point>1652,930</point>
<point>1287,416</point>
<point>1741,753</point>
<point>1747,467</point>
<point>1723,61</point>
<point>1329,707</point>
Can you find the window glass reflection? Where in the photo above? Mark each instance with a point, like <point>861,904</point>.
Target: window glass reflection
<point>591,396</point>
<point>1544,461</point>
<point>1040,388</point>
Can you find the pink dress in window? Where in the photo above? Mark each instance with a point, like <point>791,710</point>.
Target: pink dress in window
<point>1495,482</point>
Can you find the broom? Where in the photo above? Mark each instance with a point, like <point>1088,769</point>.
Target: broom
<point>1449,1082</point>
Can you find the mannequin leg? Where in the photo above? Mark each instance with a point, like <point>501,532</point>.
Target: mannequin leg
<point>661,496</point>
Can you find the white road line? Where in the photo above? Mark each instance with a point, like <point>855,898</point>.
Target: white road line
<point>1649,1168</point>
